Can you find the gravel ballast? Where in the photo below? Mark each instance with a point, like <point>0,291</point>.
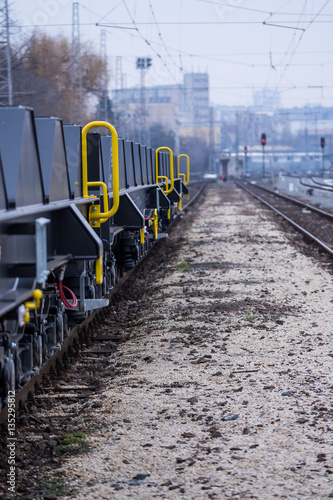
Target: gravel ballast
<point>224,388</point>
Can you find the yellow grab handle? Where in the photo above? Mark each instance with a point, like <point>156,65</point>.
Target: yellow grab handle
<point>167,191</point>
<point>35,304</point>
<point>142,236</point>
<point>187,170</point>
<point>95,215</point>
<point>99,270</point>
<point>154,222</point>
<point>180,203</point>
<point>166,181</point>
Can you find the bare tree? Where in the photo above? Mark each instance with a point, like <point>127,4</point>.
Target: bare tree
<point>42,75</point>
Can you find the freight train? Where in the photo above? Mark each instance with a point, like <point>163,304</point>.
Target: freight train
<point>79,207</point>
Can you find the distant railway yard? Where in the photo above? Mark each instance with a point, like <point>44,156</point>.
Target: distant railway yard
<point>209,375</point>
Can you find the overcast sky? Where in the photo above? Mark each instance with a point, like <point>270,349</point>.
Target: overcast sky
<point>244,45</point>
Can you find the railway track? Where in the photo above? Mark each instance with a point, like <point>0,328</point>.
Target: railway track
<point>212,350</point>
<point>84,339</point>
<point>312,222</point>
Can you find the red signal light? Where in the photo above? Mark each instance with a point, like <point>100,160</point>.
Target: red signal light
<point>322,142</point>
<point>263,139</point>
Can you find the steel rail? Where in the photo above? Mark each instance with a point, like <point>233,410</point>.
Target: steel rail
<point>329,186</point>
<point>296,202</point>
<point>294,224</point>
<point>315,187</point>
<point>197,194</point>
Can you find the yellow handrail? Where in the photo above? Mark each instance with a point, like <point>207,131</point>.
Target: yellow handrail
<point>155,223</point>
<point>35,304</point>
<point>188,168</point>
<point>167,191</point>
<point>96,217</point>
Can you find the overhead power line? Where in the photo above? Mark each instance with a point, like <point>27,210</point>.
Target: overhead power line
<point>221,4</point>
<point>194,23</point>
<point>149,43</point>
<point>160,36</point>
<point>125,25</point>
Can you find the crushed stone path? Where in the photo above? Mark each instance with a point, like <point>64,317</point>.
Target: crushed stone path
<point>226,389</point>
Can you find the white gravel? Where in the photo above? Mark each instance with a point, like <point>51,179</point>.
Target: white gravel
<point>227,389</point>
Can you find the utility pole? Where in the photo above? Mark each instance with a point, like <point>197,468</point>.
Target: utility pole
<point>121,109</point>
<point>211,141</point>
<point>143,63</point>
<point>6,82</point>
<point>76,73</point>
<point>103,103</point>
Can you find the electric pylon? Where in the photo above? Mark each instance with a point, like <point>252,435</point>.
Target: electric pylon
<point>6,82</point>
<point>76,73</point>
<point>103,102</point>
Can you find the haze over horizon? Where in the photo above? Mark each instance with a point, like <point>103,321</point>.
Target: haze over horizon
<point>284,46</point>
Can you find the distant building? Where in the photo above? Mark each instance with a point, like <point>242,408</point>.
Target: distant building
<point>196,100</point>
<point>173,106</point>
<point>267,99</point>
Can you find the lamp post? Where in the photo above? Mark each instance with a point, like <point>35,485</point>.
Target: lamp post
<point>143,63</point>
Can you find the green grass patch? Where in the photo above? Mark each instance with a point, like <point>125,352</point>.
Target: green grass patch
<point>74,443</point>
<point>183,267</point>
<point>54,486</point>
<point>249,315</point>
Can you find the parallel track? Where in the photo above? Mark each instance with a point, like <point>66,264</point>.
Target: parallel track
<point>314,223</point>
<point>79,335</point>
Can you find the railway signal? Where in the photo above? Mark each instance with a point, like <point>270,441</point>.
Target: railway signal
<point>245,162</point>
<point>263,143</point>
<point>322,145</point>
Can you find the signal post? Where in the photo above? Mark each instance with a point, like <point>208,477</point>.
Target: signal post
<point>263,143</point>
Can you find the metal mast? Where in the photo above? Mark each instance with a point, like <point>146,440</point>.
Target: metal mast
<point>121,112</point>
<point>143,63</point>
<point>76,74</point>
<point>103,103</point>
<point>6,82</point>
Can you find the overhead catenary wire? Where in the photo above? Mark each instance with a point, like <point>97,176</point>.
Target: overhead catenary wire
<point>160,36</point>
<point>243,60</point>
<point>206,57</point>
<point>294,50</point>
<point>231,6</point>
<point>149,43</point>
